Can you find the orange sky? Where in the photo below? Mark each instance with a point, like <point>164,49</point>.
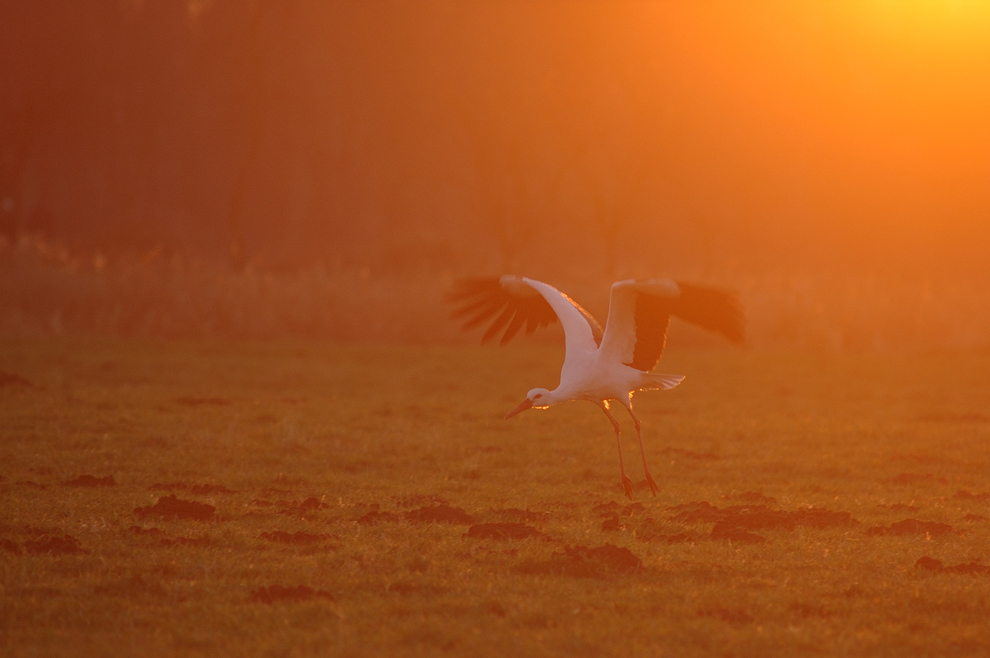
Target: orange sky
<point>854,129</point>
<point>881,108</point>
<point>775,134</point>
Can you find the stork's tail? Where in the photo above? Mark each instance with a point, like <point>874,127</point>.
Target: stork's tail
<point>662,382</point>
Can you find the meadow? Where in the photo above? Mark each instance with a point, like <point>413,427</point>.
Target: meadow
<point>356,500</point>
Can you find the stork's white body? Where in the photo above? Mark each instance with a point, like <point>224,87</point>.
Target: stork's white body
<point>596,372</point>
<point>601,367</point>
<point>595,376</point>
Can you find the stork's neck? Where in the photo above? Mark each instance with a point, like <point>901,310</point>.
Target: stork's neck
<point>559,394</point>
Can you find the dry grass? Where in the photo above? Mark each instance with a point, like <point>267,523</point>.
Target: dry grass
<point>257,430</point>
<point>47,290</point>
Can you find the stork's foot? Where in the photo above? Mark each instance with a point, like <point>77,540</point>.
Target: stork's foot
<point>627,486</point>
<point>652,484</point>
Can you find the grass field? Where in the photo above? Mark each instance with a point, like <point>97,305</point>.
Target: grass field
<point>359,497</point>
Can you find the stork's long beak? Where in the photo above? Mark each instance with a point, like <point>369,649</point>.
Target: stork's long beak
<point>523,406</point>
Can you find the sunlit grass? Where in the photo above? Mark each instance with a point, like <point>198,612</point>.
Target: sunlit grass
<point>884,438</point>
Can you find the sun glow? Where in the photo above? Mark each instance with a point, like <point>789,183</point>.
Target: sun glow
<point>867,118</point>
<point>927,19</point>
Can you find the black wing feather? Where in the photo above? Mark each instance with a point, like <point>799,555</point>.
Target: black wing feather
<point>652,318</point>
<point>713,309</point>
<point>483,315</point>
<point>484,299</point>
<point>469,309</point>
<point>513,328</point>
<point>502,320</point>
<point>709,308</point>
<point>532,324</point>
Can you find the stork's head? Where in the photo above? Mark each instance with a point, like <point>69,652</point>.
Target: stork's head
<point>538,398</point>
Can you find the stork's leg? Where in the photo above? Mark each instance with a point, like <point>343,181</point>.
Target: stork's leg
<point>626,482</point>
<point>642,451</point>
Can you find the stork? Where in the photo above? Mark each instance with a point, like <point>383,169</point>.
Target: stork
<point>599,367</point>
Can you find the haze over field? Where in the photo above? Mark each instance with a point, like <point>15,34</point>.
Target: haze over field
<point>838,152</point>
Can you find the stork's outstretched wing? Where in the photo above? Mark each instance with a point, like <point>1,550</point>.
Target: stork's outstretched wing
<point>515,301</point>
<point>639,312</point>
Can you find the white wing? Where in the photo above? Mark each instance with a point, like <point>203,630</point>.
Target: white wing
<point>515,301</point>
<point>639,313</point>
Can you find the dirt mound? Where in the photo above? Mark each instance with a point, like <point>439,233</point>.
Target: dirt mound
<point>439,514</point>
<point>581,559</point>
<point>312,503</point>
<point>931,564</point>
<point>170,507</point>
<point>734,617</point>
<point>962,494</point>
<point>272,491</point>
<point>503,531</point>
<point>583,562</point>
<point>660,538</point>
<point>198,489</point>
<point>911,527</point>
<point>436,514</point>
<point>900,507</point>
<point>190,401</point>
<point>374,517</point>
<point>821,518</point>
<point>405,587</point>
<point>90,481</point>
<point>728,531</point>
<point>207,489</point>
<point>165,540</point>
<point>10,379</point>
<point>419,499</point>
<point>755,497</point>
<point>746,517</point>
<point>613,508</point>
<point>520,515</point>
<point>52,545</point>
<point>277,593</point>
<point>186,541</point>
<point>296,538</point>
<point>35,531</point>
<point>756,518</point>
<point>169,486</point>
<point>915,478</point>
<point>695,512</point>
<point>301,507</point>
<point>760,517</point>
<point>146,532</point>
<point>10,546</point>
<point>612,524</point>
